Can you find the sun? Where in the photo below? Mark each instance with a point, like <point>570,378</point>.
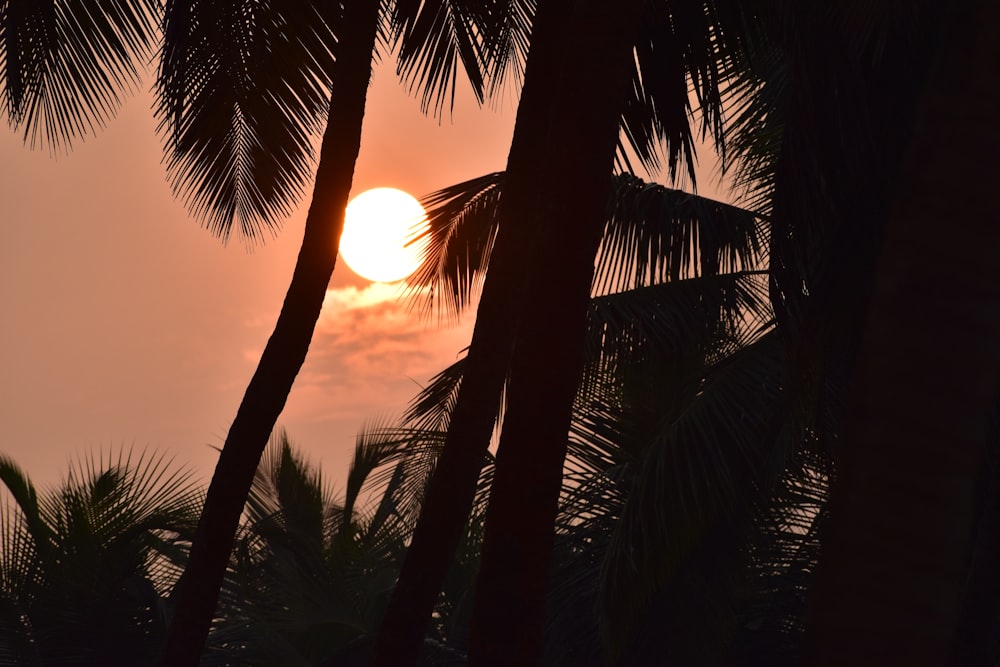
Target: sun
<point>378,231</point>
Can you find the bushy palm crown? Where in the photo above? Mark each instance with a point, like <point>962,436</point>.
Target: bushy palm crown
<point>686,458</point>
<point>85,568</point>
<point>311,574</point>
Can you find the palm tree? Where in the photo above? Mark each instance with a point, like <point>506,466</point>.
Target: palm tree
<point>286,349</point>
<point>902,511</point>
<point>525,214</point>
<point>833,158</point>
<point>310,575</point>
<point>655,291</point>
<point>307,576</point>
<point>86,568</point>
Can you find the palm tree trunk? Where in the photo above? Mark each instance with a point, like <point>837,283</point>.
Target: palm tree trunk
<point>569,212</point>
<point>451,490</point>
<point>888,585</point>
<point>981,591</point>
<point>197,590</point>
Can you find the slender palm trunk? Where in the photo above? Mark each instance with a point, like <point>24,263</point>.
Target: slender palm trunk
<point>888,586</point>
<point>451,490</point>
<point>197,590</point>
<point>569,213</point>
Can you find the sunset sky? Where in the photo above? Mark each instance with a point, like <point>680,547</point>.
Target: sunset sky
<point>127,324</point>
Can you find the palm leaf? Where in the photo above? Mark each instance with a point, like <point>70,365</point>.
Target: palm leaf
<point>507,34</point>
<point>755,94</point>
<point>653,234</point>
<point>704,460</point>
<point>431,409</point>
<point>784,552</point>
<point>25,498</point>
<point>436,38</point>
<point>242,90</point>
<point>66,67</point>
<point>678,51</point>
<point>460,234</point>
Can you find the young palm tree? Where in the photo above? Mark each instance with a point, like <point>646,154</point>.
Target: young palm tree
<point>86,568</point>
<point>308,572</point>
<point>310,575</point>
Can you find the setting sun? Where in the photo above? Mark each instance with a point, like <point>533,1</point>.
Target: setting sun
<point>378,229</point>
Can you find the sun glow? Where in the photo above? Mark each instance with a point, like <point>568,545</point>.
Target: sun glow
<point>378,231</point>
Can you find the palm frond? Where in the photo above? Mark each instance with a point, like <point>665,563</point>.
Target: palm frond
<point>783,554</point>
<point>678,51</point>
<point>755,96</point>
<point>714,314</point>
<point>403,475</point>
<point>25,498</point>
<point>66,67</point>
<point>436,38</point>
<point>655,234</point>
<point>431,409</point>
<point>242,90</point>
<point>507,35</point>
<point>705,461</point>
<point>288,495</point>
<point>373,450</point>
<point>462,226</point>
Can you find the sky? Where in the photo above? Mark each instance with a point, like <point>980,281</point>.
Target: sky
<point>126,324</point>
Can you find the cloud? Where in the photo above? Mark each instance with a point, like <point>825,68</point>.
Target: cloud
<point>370,355</point>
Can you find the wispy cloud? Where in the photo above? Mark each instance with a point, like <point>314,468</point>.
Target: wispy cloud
<point>370,355</point>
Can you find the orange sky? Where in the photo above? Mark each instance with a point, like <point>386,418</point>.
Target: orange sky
<point>127,324</point>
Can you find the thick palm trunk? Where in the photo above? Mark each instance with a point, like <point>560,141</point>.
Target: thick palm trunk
<point>569,212</point>
<point>451,490</point>
<point>926,379</point>
<point>981,591</point>
<point>197,590</point>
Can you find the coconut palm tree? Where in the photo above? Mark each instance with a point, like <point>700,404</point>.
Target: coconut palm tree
<point>525,215</point>
<point>286,349</point>
<point>86,568</point>
<point>654,290</point>
<point>915,432</point>
<point>863,76</point>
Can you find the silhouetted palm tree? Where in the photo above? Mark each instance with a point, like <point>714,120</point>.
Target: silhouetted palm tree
<point>651,103</point>
<point>311,575</point>
<point>86,568</point>
<point>926,378</point>
<point>836,152</point>
<point>658,297</point>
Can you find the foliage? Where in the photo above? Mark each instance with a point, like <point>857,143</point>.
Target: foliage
<point>694,479</point>
<point>86,567</point>
<point>311,574</point>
